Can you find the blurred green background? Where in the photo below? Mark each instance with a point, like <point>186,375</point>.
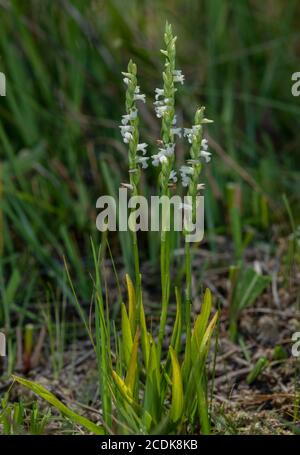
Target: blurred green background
<point>59,139</point>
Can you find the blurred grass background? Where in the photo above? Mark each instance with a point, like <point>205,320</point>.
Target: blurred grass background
<point>60,146</point>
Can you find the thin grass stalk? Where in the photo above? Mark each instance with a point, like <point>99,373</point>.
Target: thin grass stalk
<point>102,343</point>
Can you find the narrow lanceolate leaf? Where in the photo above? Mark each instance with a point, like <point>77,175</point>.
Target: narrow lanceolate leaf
<point>154,364</point>
<point>208,333</point>
<point>132,372</point>
<point>196,373</point>
<point>131,305</point>
<point>48,396</point>
<point>126,335</point>
<point>176,335</point>
<point>201,323</point>
<point>177,388</point>
<point>144,336</point>
<point>152,400</point>
<point>203,406</point>
<point>192,353</point>
<point>123,389</point>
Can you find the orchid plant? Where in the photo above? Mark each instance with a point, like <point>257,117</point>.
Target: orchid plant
<point>146,387</point>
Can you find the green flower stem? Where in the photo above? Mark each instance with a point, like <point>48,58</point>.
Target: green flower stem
<point>188,296</point>
<point>167,137</point>
<point>134,170</point>
<point>138,284</point>
<point>192,192</point>
<point>165,284</point>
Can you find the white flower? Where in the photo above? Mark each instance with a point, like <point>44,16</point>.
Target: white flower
<point>186,172</point>
<point>178,76</point>
<point>126,131</point>
<point>143,161</point>
<point>140,96</point>
<point>190,133</point>
<point>127,137</point>
<point>127,185</point>
<point>168,151</point>
<point>176,131</point>
<point>185,180</point>
<point>163,153</point>
<point>173,176</point>
<point>127,117</point>
<point>206,155</point>
<point>159,92</point>
<point>142,148</point>
<point>160,110</point>
<point>159,158</point>
<point>201,186</point>
<point>174,120</point>
<point>124,73</point>
<point>127,77</point>
<point>203,152</point>
<point>187,131</point>
<point>204,144</point>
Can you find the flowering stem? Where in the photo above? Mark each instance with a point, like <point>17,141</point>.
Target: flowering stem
<point>191,176</point>
<point>166,110</point>
<point>188,295</point>
<point>165,284</point>
<point>130,133</point>
<point>138,284</point>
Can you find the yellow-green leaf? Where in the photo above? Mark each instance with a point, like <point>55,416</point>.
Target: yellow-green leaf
<point>126,335</point>
<point>144,336</point>
<point>153,364</point>
<point>122,387</point>
<point>196,372</point>
<point>201,323</point>
<point>176,335</point>
<point>131,305</point>
<point>209,331</point>
<point>48,396</point>
<point>133,365</point>
<point>177,388</point>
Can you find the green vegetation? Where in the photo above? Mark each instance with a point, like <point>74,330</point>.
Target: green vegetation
<point>62,283</point>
